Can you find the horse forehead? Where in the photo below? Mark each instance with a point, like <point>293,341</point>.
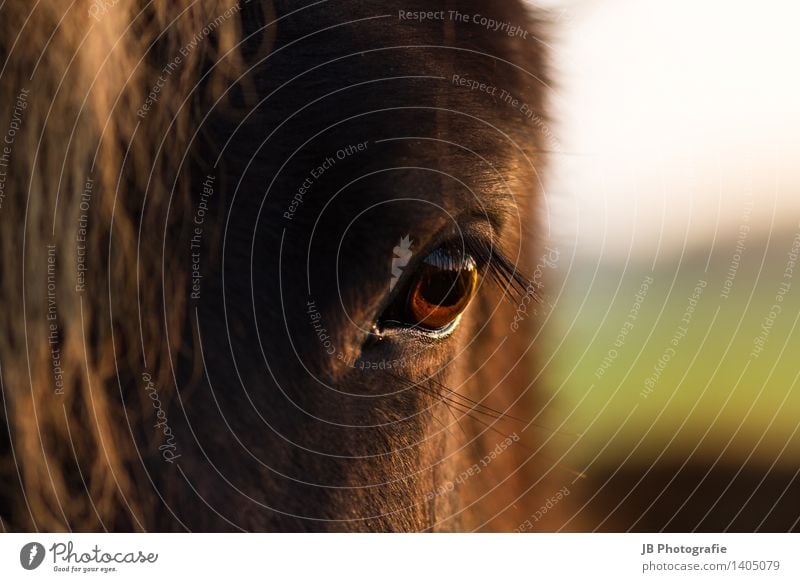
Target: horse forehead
<point>351,73</point>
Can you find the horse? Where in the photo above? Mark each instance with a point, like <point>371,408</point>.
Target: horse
<point>266,266</point>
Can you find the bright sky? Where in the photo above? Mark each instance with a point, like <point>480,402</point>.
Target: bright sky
<point>672,117</point>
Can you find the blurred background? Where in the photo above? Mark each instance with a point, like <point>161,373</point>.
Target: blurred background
<point>674,208</point>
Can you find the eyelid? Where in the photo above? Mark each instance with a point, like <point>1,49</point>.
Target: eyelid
<point>473,237</point>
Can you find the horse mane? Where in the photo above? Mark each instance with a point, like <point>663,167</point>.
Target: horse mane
<point>78,153</point>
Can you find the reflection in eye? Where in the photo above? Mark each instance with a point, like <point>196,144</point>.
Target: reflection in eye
<point>441,289</point>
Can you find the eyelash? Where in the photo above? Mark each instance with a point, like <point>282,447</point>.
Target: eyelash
<point>494,264</point>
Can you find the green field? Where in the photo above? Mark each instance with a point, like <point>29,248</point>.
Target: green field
<point>714,393</point>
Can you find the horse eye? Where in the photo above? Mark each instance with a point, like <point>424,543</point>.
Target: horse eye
<point>440,289</point>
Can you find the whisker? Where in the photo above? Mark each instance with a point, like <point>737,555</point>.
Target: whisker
<point>478,404</point>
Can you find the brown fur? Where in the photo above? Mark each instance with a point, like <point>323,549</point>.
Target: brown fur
<point>73,461</point>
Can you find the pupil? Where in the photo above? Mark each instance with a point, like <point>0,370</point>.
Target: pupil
<point>443,288</point>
